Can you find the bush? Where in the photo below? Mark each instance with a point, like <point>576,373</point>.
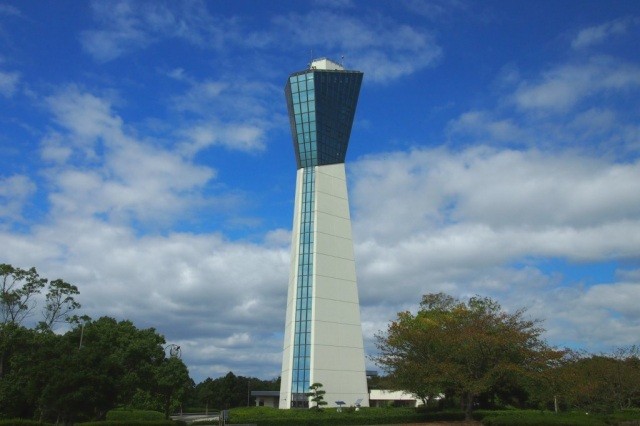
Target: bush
<point>133,423</point>
<point>537,418</point>
<point>265,416</point>
<point>22,422</point>
<point>134,415</point>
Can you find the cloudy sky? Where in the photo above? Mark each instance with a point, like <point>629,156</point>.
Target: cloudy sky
<point>145,156</point>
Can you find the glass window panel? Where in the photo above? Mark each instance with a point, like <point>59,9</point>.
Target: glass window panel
<point>296,108</point>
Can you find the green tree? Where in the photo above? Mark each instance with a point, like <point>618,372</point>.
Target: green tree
<point>59,303</point>
<point>172,382</point>
<point>18,287</point>
<point>601,383</point>
<point>465,348</point>
<point>317,395</point>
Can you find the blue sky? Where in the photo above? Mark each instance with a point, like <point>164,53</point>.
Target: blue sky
<point>145,156</point>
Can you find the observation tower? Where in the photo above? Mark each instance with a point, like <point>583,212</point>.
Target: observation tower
<point>323,335</point>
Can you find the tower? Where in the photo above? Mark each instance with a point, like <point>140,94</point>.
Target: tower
<point>323,335</point>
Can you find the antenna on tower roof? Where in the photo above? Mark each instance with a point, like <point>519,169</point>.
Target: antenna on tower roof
<point>311,59</point>
<point>342,61</point>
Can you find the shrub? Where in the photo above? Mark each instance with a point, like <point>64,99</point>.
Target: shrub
<point>537,418</point>
<point>133,423</point>
<point>134,415</point>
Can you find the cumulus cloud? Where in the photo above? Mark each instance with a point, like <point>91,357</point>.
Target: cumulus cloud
<point>562,87</point>
<point>123,27</point>
<point>108,172</point>
<point>15,191</point>
<point>455,221</point>
<point>9,83</point>
<point>383,49</point>
<point>237,113</point>
<point>481,127</point>
<point>598,34</point>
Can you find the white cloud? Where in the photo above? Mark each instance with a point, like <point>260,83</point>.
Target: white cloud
<point>124,27</point>
<point>563,87</point>
<point>15,191</point>
<point>9,83</point>
<point>484,128</point>
<point>598,34</point>
<point>9,10</point>
<point>381,48</point>
<point>237,113</point>
<point>127,180</point>
<point>439,220</point>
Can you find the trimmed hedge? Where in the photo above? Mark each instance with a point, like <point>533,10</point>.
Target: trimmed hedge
<point>529,418</point>
<point>22,422</point>
<point>265,416</point>
<point>121,414</point>
<point>133,423</point>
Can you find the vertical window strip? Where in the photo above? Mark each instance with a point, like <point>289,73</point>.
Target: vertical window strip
<point>302,343</point>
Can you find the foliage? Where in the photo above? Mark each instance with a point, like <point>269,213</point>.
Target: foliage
<point>317,395</point>
<point>465,349</point>
<point>601,383</point>
<point>18,287</point>
<point>265,416</point>
<point>538,418</point>
<point>52,377</point>
<point>135,423</point>
<point>230,391</point>
<point>59,303</point>
<point>134,415</point>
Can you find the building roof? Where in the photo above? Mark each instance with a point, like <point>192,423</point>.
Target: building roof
<point>265,393</point>
<point>325,64</point>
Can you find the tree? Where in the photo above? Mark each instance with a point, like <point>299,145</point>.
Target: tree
<point>317,395</point>
<point>60,302</point>
<point>17,289</point>
<point>463,348</point>
<point>172,382</point>
<point>601,383</point>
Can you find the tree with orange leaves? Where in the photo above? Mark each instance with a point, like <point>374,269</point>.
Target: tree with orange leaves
<point>464,348</point>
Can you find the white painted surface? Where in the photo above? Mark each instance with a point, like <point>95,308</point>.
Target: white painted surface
<point>337,352</point>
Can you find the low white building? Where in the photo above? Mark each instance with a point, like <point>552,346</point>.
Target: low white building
<point>382,398</point>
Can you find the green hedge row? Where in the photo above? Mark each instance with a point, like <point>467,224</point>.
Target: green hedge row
<point>121,414</point>
<point>527,418</point>
<point>133,423</point>
<point>264,416</point>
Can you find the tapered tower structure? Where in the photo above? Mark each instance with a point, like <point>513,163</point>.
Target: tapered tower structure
<point>323,335</point>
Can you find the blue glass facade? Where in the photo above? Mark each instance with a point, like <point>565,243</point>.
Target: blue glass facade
<point>321,106</point>
<point>302,337</point>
